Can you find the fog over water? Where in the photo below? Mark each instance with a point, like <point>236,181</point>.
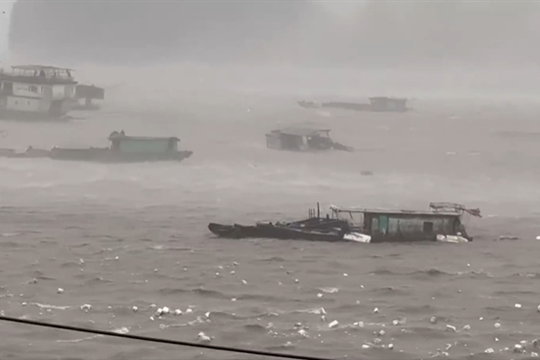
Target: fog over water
<point>219,75</point>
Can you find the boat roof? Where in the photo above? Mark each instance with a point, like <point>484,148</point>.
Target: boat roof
<point>38,67</point>
<point>298,131</point>
<point>395,212</point>
<point>143,138</point>
<point>386,98</point>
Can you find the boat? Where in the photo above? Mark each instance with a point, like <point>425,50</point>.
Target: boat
<point>36,92</point>
<point>303,139</point>
<point>123,149</point>
<point>376,104</point>
<point>309,104</point>
<point>442,223</point>
<point>87,93</point>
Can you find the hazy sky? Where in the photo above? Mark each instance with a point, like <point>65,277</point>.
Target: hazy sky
<point>334,33</point>
<point>5,6</point>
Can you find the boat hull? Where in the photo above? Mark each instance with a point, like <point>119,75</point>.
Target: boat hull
<point>270,231</point>
<point>106,155</point>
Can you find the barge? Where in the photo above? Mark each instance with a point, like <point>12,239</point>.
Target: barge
<point>122,149</point>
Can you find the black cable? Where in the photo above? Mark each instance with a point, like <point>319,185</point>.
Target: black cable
<point>162,341</point>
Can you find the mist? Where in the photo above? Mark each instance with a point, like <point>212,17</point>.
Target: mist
<point>309,48</point>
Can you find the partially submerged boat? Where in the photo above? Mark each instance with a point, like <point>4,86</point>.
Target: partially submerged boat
<point>303,139</point>
<point>376,104</point>
<point>123,149</point>
<point>314,228</point>
<point>441,223</point>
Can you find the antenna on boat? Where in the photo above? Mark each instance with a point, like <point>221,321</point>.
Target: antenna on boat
<point>318,211</point>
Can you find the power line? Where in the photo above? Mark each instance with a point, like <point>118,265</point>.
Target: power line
<point>157,340</point>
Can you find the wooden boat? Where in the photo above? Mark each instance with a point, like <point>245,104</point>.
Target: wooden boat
<point>126,149</point>
<point>123,149</point>
<point>376,104</point>
<point>303,139</point>
<point>332,231</point>
<point>442,223</point>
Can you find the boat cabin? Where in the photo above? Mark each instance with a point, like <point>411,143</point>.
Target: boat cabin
<point>299,139</point>
<point>39,74</point>
<point>407,225</point>
<point>381,103</point>
<point>142,145</point>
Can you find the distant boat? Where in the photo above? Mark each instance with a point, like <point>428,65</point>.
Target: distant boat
<point>123,149</point>
<point>376,104</point>
<point>36,92</point>
<point>303,139</point>
<point>88,93</point>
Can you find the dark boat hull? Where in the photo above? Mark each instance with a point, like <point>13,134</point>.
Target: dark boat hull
<point>108,156</point>
<point>297,231</point>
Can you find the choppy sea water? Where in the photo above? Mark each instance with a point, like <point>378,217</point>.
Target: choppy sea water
<point>122,236</point>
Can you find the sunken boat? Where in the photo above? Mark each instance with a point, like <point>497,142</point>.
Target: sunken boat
<point>303,139</point>
<point>314,228</point>
<point>376,104</point>
<point>122,149</point>
<point>442,223</point>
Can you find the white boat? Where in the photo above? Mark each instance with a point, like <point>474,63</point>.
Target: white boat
<point>36,92</point>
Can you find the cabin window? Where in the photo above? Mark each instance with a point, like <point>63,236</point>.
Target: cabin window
<point>374,224</point>
<point>33,88</point>
<point>428,226</point>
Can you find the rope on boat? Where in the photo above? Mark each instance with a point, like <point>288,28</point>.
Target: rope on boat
<point>158,340</point>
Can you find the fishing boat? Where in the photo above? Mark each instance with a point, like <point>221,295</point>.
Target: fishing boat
<point>442,223</point>
<point>303,139</point>
<point>122,149</point>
